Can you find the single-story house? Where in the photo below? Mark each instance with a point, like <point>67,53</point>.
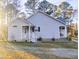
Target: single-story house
<point>36,26</point>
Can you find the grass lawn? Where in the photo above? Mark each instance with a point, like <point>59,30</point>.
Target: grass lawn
<point>48,44</point>
<point>45,56</point>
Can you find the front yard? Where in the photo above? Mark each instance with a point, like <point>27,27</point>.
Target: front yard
<point>39,50</point>
<point>44,50</point>
<point>48,44</point>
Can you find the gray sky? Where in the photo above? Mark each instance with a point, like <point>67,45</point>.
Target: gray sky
<point>74,3</point>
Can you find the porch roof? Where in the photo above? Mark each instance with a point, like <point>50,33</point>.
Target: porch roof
<point>22,20</point>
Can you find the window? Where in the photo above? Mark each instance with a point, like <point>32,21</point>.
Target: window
<point>62,27</point>
<point>25,28</point>
<point>33,28</point>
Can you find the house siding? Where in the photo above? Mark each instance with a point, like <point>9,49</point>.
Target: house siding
<point>49,28</point>
<point>15,33</point>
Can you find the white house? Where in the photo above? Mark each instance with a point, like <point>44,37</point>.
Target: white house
<point>36,26</point>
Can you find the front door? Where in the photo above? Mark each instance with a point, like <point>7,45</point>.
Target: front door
<point>62,31</point>
<point>25,32</point>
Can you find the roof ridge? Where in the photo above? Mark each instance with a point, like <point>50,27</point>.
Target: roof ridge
<point>51,17</point>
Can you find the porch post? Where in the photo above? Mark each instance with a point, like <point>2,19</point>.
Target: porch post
<point>29,34</point>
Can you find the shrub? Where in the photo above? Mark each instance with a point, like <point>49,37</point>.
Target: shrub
<point>69,38</point>
<point>53,39</point>
<point>25,40</point>
<point>14,40</point>
<point>31,42</point>
<point>39,39</point>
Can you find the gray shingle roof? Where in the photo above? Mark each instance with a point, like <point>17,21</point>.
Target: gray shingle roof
<point>61,20</point>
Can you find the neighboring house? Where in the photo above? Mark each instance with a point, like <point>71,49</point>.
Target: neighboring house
<point>36,26</point>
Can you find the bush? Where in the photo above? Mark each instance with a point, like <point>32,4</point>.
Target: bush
<point>31,42</point>
<point>53,39</point>
<point>39,39</point>
<point>69,39</point>
<point>14,41</point>
<point>25,40</point>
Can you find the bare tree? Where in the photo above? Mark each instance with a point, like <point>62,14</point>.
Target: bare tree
<point>31,5</point>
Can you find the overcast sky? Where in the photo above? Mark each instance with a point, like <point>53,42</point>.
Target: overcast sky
<point>74,3</point>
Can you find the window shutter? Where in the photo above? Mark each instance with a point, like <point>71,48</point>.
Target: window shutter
<point>38,29</point>
<point>33,28</point>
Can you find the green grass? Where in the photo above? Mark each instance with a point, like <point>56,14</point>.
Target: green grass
<point>48,44</point>
<point>46,56</point>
